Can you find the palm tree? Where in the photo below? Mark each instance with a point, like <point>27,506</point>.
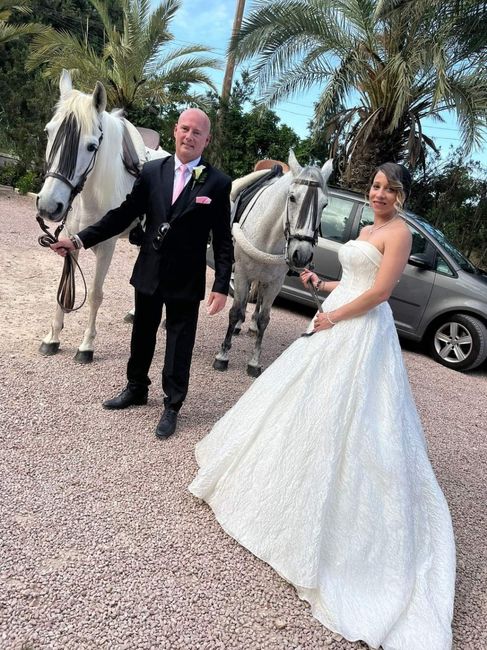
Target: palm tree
<point>135,64</point>
<point>383,66</point>
<point>9,31</point>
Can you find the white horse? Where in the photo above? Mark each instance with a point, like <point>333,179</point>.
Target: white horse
<point>86,172</point>
<point>277,231</point>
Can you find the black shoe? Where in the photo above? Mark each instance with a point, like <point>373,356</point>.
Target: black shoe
<point>167,423</point>
<point>128,397</point>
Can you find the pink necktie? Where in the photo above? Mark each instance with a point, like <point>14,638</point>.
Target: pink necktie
<point>179,184</point>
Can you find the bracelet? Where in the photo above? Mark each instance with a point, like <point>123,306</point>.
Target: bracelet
<point>327,316</point>
<point>76,242</point>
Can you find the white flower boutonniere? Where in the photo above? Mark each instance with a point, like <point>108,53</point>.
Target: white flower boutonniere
<point>199,175</point>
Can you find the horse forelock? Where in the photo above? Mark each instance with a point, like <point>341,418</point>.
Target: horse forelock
<point>80,105</point>
<point>313,174</point>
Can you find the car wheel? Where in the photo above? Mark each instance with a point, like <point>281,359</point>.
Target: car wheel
<point>460,342</point>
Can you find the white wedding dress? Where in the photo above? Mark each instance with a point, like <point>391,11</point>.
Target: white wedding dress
<point>321,470</point>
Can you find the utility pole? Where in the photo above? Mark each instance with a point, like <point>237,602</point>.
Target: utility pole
<point>229,70</point>
<point>226,89</point>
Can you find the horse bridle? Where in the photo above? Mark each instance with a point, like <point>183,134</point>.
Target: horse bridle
<point>313,189</point>
<point>66,291</point>
<point>76,189</point>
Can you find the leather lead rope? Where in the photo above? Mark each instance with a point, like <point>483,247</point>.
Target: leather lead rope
<point>66,292</point>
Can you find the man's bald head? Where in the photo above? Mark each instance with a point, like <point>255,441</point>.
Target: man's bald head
<point>192,134</point>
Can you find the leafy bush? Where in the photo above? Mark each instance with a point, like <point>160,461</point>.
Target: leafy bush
<point>9,174</point>
<point>28,183</point>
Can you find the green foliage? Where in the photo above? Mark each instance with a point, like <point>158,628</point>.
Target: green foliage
<point>383,66</point>
<point>452,195</point>
<point>9,175</point>
<point>28,182</point>
<point>135,63</point>
<point>242,137</point>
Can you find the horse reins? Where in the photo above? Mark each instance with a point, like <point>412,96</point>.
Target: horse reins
<point>66,290</point>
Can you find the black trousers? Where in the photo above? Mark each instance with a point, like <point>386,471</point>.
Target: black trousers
<point>181,322</point>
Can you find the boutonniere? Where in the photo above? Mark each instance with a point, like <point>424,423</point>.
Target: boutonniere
<point>199,175</point>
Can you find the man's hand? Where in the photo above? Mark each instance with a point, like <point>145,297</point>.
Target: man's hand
<point>63,246</point>
<point>215,303</point>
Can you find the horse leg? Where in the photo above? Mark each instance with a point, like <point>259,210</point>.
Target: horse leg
<point>50,343</point>
<point>267,297</point>
<point>104,254</point>
<point>236,317</point>
<point>253,327</point>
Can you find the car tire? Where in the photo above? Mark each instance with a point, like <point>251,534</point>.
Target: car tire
<point>459,342</point>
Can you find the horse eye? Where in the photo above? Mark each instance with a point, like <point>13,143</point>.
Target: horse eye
<point>91,147</point>
<point>292,198</point>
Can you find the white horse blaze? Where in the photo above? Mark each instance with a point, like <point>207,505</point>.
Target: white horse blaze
<point>105,188</point>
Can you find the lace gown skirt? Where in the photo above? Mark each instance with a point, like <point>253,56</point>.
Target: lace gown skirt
<point>321,470</point>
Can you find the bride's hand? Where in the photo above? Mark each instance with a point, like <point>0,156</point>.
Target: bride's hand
<point>322,322</point>
<point>306,275</point>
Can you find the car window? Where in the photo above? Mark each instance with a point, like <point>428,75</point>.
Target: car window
<point>335,219</point>
<point>442,266</point>
<point>366,218</point>
<point>420,243</point>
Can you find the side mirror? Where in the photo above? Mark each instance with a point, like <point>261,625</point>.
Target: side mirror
<point>421,261</point>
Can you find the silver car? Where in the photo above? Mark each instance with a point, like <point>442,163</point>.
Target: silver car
<point>441,298</point>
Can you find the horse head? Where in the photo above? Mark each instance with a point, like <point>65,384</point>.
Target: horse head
<point>74,136</point>
<point>307,196</point>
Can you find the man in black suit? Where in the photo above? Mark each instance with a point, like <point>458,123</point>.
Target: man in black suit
<point>193,198</point>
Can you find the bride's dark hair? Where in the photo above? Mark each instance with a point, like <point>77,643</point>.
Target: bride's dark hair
<point>399,179</point>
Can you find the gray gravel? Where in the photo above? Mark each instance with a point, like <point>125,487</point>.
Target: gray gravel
<point>101,545</point>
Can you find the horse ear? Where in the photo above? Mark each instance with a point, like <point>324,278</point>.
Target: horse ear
<point>293,163</point>
<point>327,170</point>
<point>100,97</point>
<point>65,83</point>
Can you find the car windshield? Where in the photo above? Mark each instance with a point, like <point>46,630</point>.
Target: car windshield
<point>463,262</point>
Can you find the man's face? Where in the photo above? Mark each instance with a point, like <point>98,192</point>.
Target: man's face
<point>192,134</point>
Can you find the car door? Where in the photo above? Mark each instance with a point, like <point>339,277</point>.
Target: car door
<point>412,293</point>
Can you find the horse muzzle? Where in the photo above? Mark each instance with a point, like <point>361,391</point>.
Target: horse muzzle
<point>299,252</point>
<point>50,209</point>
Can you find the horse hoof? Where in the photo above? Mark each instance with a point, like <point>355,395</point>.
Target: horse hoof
<point>237,331</point>
<point>219,364</point>
<point>254,371</point>
<point>48,349</point>
<point>128,318</point>
<point>84,356</point>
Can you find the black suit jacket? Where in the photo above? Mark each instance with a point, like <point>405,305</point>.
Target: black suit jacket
<point>179,267</point>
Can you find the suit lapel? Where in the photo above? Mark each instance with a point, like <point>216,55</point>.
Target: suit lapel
<point>167,184</point>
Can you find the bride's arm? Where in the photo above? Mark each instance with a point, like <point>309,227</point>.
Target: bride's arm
<point>395,257</point>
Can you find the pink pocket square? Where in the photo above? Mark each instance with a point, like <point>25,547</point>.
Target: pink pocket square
<point>205,200</point>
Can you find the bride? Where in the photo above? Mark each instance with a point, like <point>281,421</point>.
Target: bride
<point>321,468</point>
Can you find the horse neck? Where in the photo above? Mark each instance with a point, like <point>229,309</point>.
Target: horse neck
<point>108,183</point>
<point>264,224</point>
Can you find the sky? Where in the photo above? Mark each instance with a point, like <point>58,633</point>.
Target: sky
<point>209,23</point>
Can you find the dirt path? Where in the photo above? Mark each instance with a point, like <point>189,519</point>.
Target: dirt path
<point>101,545</point>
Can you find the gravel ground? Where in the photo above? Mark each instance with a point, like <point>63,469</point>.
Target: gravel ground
<point>101,545</point>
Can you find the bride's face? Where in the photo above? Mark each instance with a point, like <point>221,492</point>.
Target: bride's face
<point>382,198</point>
